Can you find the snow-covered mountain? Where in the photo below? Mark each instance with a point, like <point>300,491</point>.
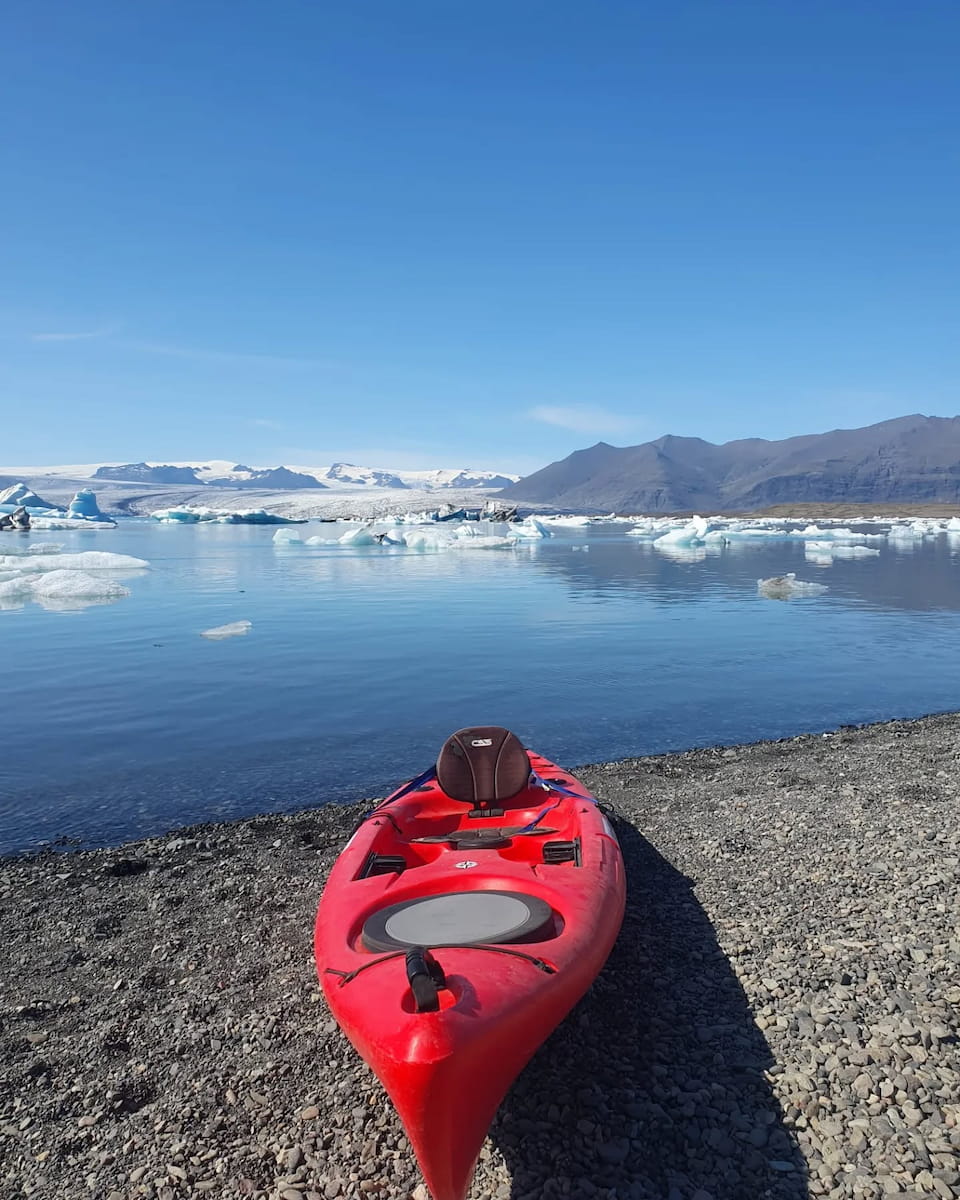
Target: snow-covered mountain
<point>229,473</point>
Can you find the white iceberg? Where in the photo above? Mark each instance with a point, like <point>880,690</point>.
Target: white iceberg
<point>785,587</point>
<point>287,537</point>
<point>64,581</point>
<point>197,514</point>
<point>529,528</point>
<point>234,629</point>
<point>690,534</point>
<point>85,560</point>
<point>60,590</point>
<point>364,536</point>
<point>855,552</point>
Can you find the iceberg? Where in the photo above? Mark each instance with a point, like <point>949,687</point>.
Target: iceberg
<point>286,537</point>
<point>234,629</point>
<point>824,553</point>
<point>786,587</point>
<point>198,515</point>
<point>906,533</point>
<point>854,552</point>
<point>60,589</point>
<point>691,534</point>
<point>530,527</point>
<point>19,494</point>
<point>43,574</point>
<point>84,506</point>
<point>85,560</point>
<point>364,536</point>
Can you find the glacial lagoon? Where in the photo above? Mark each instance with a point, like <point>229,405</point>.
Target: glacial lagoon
<point>348,664</point>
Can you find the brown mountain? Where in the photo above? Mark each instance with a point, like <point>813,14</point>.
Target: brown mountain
<point>909,459</point>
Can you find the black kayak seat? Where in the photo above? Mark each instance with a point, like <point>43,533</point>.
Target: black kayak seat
<point>483,765</point>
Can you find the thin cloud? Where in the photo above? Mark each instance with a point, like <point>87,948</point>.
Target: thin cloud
<point>584,420</point>
<point>263,423</point>
<point>229,357</point>
<point>82,336</point>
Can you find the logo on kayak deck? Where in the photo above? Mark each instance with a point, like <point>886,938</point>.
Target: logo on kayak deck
<point>482,742</point>
<point>465,864</point>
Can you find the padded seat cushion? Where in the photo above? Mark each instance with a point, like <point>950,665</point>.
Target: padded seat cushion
<point>483,765</point>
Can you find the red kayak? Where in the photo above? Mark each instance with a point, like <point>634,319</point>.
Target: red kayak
<point>463,920</point>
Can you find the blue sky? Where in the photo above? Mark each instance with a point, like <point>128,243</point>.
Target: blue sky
<point>489,233</point>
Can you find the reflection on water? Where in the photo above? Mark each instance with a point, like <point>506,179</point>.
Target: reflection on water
<point>360,660</point>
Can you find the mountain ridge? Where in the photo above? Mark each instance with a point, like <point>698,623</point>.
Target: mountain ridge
<point>914,458</point>
<point>227,473</point>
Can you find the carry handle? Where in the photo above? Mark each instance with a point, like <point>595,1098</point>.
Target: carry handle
<point>426,977</point>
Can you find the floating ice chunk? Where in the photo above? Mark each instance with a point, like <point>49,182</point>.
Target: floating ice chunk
<point>573,522</point>
<point>953,525</point>
<point>530,528</point>
<point>61,522</point>
<point>45,547</point>
<point>364,536</point>
<point>690,534</point>
<point>84,506</point>
<point>286,537</point>
<point>176,516</point>
<point>906,533</point>
<point>85,560</point>
<point>234,629</point>
<point>427,539</point>
<point>824,553</point>
<point>194,514</point>
<point>785,587</point>
<point>60,589</point>
<point>855,552</point>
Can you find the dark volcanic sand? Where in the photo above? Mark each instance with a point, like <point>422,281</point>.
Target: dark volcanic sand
<point>778,1019</point>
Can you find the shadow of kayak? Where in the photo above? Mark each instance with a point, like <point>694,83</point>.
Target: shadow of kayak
<point>654,1087</point>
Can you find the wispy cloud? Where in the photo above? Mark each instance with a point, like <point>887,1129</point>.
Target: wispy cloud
<point>264,423</point>
<point>81,336</point>
<point>227,357</point>
<point>192,353</point>
<point>585,419</point>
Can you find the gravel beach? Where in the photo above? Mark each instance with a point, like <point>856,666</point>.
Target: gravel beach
<point>778,1019</point>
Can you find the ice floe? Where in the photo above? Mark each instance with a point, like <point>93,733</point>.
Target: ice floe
<point>234,629</point>
<point>197,515</point>
<point>824,553</point>
<point>42,574</point>
<point>785,587</point>
<point>59,589</point>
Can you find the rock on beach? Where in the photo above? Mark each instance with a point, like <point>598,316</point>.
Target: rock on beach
<point>779,1017</point>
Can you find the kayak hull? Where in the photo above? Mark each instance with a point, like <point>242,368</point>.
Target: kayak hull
<point>447,1071</point>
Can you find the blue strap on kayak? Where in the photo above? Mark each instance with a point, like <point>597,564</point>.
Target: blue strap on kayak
<point>554,786</point>
<point>549,786</point>
<point>418,781</point>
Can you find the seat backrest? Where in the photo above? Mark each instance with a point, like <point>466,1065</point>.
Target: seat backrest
<point>483,765</point>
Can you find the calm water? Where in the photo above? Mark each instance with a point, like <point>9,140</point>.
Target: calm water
<point>120,719</point>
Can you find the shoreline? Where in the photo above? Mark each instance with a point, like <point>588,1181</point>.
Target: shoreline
<point>783,1000</point>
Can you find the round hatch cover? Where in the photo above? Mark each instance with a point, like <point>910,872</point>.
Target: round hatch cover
<point>458,918</point>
